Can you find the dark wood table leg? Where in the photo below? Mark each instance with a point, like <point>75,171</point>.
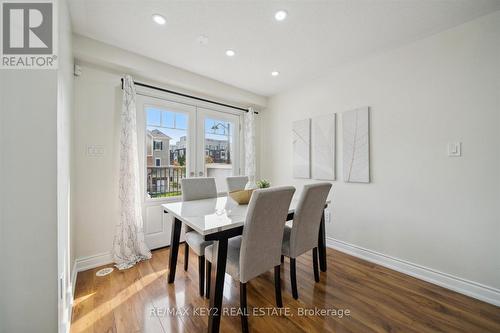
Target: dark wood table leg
<point>217,287</point>
<point>174,249</point>
<point>322,244</point>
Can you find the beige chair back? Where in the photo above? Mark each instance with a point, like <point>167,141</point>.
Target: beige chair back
<point>198,188</point>
<point>236,183</point>
<point>307,218</point>
<point>263,231</point>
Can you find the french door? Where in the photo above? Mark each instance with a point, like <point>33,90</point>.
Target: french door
<point>218,149</point>
<point>177,140</point>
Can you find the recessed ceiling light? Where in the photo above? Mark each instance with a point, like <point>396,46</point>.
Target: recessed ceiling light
<point>159,19</point>
<point>275,73</point>
<point>280,15</point>
<point>230,53</point>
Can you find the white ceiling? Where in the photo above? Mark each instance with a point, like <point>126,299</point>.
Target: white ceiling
<point>316,36</point>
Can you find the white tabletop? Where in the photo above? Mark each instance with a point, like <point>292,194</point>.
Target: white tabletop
<point>212,215</point>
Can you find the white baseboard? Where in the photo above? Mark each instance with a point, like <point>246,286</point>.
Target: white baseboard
<point>470,288</point>
<point>83,264</point>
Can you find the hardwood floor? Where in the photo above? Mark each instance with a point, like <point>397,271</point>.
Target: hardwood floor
<point>379,300</point>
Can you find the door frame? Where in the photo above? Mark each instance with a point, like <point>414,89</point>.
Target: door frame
<point>141,103</point>
<point>146,97</point>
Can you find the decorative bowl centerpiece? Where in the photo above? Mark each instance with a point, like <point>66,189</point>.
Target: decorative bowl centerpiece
<point>242,197</point>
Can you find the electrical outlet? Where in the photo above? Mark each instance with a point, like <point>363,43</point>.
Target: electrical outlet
<point>455,149</point>
<point>328,216</point>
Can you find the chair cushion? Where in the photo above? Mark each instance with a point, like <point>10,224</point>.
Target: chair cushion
<point>285,247</point>
<point>196,242</point>
<point>233,256</point>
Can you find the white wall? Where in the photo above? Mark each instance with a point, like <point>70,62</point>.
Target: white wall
<point>35,108</point>
<point>29,200</point>
<point>2,241</point>
<point>422,206</point>
<point>98,99</point>
<point>95,182</point>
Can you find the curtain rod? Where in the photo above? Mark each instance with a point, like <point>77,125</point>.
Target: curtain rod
<point>188,96</point>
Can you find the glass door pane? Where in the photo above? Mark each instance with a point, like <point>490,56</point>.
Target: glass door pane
<point>167,147</point>
<point>219,146</point>
<point>166,142</point>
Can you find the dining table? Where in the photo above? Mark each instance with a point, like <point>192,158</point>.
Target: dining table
<point>219,219</point>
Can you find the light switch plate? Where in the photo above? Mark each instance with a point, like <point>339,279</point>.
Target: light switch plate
<point>455,149</point>
<point>95,150</point>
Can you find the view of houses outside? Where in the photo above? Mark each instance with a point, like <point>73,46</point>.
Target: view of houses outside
<point>218,149</point>
<point>167,147</point>
<point>164,169</point>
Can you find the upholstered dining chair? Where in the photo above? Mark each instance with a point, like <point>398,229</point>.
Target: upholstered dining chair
<point>258,249</point>
<point>197,189</point>
<point>236,183</point>
<point>302,236</point>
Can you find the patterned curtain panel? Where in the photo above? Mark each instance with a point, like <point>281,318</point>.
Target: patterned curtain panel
<point>129,246</point>
<point>250,148</point>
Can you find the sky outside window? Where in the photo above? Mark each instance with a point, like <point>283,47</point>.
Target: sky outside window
<point>224,129</point>
<point>175,125</point>
<point>170,123</point>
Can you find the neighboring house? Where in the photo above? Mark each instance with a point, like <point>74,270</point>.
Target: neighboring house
<point>178,150</point>
<point>216,149</point>
<point>158,160</point>
<point>158,144</point>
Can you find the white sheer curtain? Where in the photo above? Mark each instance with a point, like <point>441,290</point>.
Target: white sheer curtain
<point>250,148</point>
<point>129,246</point>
